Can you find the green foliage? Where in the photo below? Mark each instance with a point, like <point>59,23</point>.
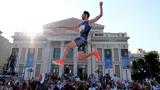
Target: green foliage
<point>148,67</point>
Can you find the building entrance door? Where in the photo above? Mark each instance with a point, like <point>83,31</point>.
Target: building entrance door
<point>82,72</point>
<point>54,68</point>
<point>117,70</point>
<point>68,69</point>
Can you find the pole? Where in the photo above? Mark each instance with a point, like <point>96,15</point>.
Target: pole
<point>150,71</point>
<point>91,56</point>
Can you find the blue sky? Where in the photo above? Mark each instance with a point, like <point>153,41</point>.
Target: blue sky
<point>139,18</point>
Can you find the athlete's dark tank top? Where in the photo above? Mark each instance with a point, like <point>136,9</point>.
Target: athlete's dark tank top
<point>84,29</point>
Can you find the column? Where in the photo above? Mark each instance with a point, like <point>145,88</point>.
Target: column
<point>113,71</point>
<point>25,68</point>
<point>103,62</point>
<point>95,64</point>
<point>18,60</point>
<point>75,61</point>
<point>120,64</point>
<point>35,61</point>
<point>129,75</point>
<point>89,60</point>
<point>47,57</point>
<point>61,69</point>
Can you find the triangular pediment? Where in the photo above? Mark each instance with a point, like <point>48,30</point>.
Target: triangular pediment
<point>69,22</point>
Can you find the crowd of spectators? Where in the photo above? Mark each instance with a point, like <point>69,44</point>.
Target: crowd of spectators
<point>73,82</point>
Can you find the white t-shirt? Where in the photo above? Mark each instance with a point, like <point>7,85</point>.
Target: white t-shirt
<point>92,88</point>
<point>114,78</point>
<point>155,88</point>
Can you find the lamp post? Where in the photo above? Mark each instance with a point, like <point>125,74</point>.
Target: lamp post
<point>91,56</point>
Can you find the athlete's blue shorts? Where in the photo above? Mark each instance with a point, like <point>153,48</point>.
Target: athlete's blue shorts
<point>81,43</point>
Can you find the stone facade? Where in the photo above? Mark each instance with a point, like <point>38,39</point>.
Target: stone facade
<point>5,49</point>
<point>49,46</point>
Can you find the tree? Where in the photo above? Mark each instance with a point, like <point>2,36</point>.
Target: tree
<point>138,69</point>
<point>152,63</point>
<point>147,67</point>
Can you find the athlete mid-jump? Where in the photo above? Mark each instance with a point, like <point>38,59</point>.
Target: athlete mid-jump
<point>81,41</point>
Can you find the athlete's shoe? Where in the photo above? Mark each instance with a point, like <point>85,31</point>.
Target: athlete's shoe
<point>59,62</point>
<point>96,55</point>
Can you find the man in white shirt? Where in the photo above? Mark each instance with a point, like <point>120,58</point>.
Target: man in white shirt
<point>92,88</point>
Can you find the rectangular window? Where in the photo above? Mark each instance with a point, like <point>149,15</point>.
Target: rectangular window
<point>99,34</point>
<point>15,51</point>
<point>116,55</point>
<point>56,53</point>
<point>39,56</point>
<point>30,57</point>
<point>38,68</point>
<point>23,53</point>
<point>70,54</point>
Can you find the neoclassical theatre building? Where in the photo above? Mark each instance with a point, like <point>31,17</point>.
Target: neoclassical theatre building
<point>35,54</point>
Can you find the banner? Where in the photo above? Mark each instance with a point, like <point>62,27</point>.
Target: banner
<point>108,58</point>
<point>124,58</point>
<point>30,58</point>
